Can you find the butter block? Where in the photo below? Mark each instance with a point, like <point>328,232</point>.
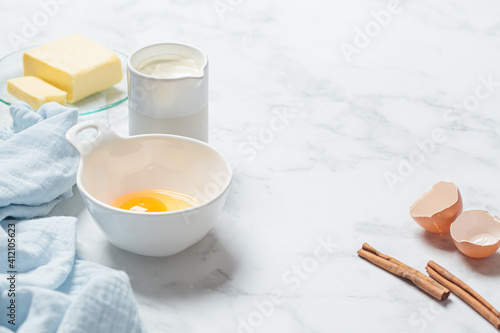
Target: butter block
<point>35,91</point>
<point>74,64</point>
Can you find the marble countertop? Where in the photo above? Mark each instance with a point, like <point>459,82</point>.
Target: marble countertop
<point>337,115</point>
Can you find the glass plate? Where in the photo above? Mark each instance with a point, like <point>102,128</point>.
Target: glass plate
<point>11,66</point>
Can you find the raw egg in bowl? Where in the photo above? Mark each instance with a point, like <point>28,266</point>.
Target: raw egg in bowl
<point>153,195</point>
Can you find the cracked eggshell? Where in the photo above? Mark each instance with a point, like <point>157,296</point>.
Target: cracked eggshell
<point>436,210</point>
<point>476,233</point>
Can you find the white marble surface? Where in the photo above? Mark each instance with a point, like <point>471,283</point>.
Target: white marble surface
<point>313,136</point>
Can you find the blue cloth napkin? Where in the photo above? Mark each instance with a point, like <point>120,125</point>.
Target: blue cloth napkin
<point>52,290</point>
<point>38,167</point>
<point>56,293</point>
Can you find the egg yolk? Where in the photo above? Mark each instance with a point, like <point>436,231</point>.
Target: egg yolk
<point>154,201</point>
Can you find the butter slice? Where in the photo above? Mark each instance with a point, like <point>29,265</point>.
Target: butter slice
<point>74,64</point>
<point>35,91</point>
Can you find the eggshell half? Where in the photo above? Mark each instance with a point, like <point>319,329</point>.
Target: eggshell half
<point>436,210</point>
<point>476,233</point>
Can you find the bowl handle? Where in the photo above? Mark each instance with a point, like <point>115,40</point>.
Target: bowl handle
<point>85,147</point>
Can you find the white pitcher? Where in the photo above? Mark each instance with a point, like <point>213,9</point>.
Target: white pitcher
<point>168,91</point>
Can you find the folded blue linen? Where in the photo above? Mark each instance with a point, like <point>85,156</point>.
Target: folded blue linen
<point>53,291</point>
<point>38,167</point>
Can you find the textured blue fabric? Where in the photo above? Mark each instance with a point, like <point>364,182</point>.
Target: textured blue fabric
<point>37,166</point>
<point>56,293</point>
<point>54,290</point>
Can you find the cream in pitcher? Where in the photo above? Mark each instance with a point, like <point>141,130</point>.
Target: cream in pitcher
<point>168,91</point>
<point>169,66</point>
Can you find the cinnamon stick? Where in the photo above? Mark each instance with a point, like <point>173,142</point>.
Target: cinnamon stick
<point>464,292</point>
<point>398,268</point>
<point>371,249</point>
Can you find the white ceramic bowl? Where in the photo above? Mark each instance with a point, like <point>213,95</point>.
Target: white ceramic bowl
<point>111,165</point>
